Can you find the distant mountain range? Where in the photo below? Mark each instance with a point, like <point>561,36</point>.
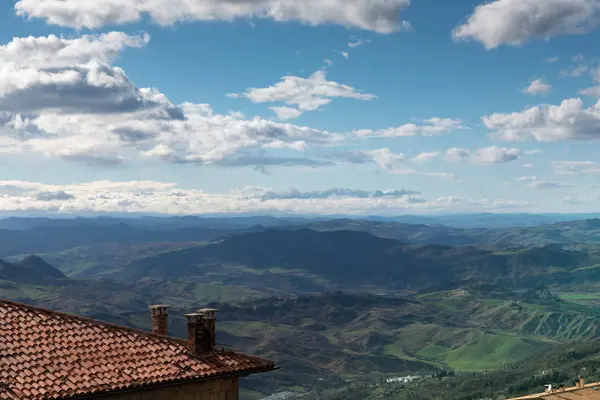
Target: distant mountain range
<point>27,236</point>
<point>305,260</point>
<point>482,220</point>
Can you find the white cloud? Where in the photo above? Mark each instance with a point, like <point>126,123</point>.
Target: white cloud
<point>577,167</point>
<point>537,183</point>
<point>307,94</point>
<point>536,87</point>
<point>425,157</point>
<point>527,165</point>
<point>431,127</point>
<point>384,157</point>
<point>376,15</point>
<point>57,52</point>
<point>593,91</point>
<point>358,42</point>
<point>411,195</point>
<point>286,113</point>
<point>512,22</point>
<point>328,62</point>
<point>59,98</point>
<point>169,198</point>
<point>581,200</point>
<point>199,137</point>
<point>569,120</point>
<point>343,54</point>
<point>93,87</point>
<point>486,155</point>
<point>442,175</point>
<point>490,204</point>
<point>552,60</point>
<point>393,162</point>
<point>575,72</point>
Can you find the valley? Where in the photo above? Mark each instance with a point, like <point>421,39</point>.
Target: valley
<point>337,309</point>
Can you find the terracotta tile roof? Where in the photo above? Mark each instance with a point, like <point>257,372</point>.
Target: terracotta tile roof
<point>51,355</point>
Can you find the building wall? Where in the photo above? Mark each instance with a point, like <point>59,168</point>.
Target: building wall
<point>221,389</point>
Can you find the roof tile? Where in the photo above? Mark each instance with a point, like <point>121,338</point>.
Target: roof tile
<point>51,355</point>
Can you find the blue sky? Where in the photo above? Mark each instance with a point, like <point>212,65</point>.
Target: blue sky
<point>278,106</point>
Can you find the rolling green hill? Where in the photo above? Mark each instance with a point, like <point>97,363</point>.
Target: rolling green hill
<point>312,261</point>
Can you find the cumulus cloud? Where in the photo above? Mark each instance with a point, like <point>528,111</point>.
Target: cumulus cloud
<point>537,183</point>
<point>430,127</point>
<point>306,94</point>
<point>425,157</point>
<point>384,158</point>
<point>376,15</point>
<point>286,113</point>
<point>200,137</point>
<point>392,162</point>
<point>486,155</point>
<point>536,87</point>
<point>169,198</point>
<point>577,168</point>
<point>60,98</point>
<point>513,22</point>
<point>569,120</point>
<point>343,54</point>
<point>57,52</point>
<point>93,87</point>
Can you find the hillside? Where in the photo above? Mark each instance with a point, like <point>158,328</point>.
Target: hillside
<point>52,238</point>
<point>561,366</point>
<point>311,261</point>
<point>332,339</point>
<point>335,308</point>
<point>31,270</point>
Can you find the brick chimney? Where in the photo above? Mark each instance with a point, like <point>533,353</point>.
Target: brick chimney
<point>581,382</point>
<point>160,319</point>
<point>210,321</point>
<point>201,331</point>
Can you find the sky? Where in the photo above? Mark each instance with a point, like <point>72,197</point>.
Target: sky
<point>368,107</point>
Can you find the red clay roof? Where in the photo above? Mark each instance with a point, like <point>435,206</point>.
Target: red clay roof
<point>51,355</point>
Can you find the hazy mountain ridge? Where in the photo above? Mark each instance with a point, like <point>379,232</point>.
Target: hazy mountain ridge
<point>352,260</point>
<point>48,235</point>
